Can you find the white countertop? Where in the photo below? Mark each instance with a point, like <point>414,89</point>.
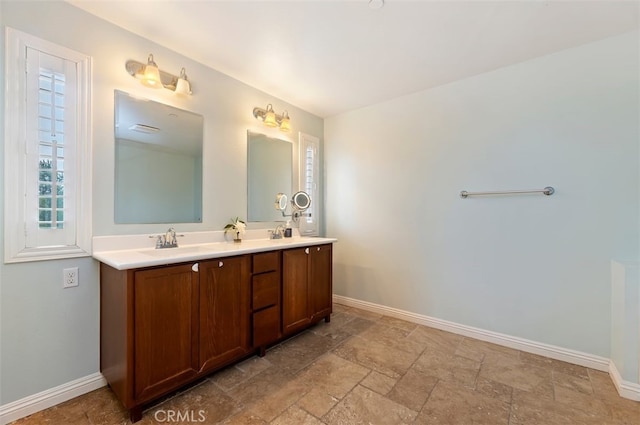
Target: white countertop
<point>135,251</point>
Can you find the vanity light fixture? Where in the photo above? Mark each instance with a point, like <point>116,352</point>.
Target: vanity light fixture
<point>271,119</point>
<point>183,86</point>
<point>151,76</point>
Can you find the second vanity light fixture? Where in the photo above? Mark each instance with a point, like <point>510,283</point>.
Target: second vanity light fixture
<point>151,76</point>
<point>271,119</point>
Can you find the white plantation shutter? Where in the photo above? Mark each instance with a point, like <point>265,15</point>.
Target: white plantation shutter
<point>47,151</point>
<point>309,176</point>
<point>51,141</point>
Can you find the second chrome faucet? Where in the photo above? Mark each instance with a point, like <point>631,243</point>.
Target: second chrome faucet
<point>278,233</point>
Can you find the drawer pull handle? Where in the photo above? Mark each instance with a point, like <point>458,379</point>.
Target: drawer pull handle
<point>318,249</point>
<point>306,250</point>
<point>220,264</point>
<point>195,267</point>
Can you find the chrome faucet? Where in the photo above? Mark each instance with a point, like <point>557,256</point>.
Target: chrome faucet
<point>278,233</point>
<point>168,240</point>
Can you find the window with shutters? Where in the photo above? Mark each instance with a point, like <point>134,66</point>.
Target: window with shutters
<point>50,122</point>
<point>47,151</point>
<point>309,176</point>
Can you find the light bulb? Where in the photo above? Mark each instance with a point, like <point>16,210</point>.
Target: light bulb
<point>270,117</point>
<point>151,74</point>
<point>285,123</point>
<point>183,86</point>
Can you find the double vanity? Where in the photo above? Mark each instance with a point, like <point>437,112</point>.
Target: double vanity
<point>171,316</point>
<point>174,307</point>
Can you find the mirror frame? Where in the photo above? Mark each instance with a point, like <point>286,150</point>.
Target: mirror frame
<point>295,201</point>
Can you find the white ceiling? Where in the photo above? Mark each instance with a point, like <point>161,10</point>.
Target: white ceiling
<point>329,57</point>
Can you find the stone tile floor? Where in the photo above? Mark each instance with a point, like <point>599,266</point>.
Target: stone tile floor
<point>364,368</point>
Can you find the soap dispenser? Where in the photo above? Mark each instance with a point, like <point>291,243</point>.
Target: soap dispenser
<point>287,230</point>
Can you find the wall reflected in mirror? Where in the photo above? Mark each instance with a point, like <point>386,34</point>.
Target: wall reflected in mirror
<point>158,162</point>
<point>269,172</point>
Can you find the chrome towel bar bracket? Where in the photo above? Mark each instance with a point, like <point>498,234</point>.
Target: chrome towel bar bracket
<point>546,191</point>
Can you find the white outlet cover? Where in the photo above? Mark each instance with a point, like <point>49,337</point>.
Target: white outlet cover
<point>70,277</point>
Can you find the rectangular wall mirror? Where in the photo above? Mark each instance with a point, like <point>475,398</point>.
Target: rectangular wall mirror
<point>269,171</point>
<point>158,162</point>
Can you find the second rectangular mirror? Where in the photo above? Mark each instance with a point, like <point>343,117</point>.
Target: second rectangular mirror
<point>269,172</point>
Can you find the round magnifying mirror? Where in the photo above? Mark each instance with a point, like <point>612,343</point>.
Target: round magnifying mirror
<point>301,201</point>
<point>281,202</point>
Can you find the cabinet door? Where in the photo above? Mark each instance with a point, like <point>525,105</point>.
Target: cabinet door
<point>320,290</point>
<point>165,328</point>
<point>295,290</point>
<point>224,310</point>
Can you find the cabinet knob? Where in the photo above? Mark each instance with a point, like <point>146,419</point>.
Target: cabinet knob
<point>195,267</point>
<point>306,250</point>
<point>220,264</point>
<point>318,249</point>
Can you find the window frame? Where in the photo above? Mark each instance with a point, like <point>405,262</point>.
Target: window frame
<point>16,217</point>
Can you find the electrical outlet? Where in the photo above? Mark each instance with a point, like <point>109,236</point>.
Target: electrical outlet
<point>70,277</point>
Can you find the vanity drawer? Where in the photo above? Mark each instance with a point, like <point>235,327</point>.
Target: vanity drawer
<point>266,326</point>
<point>266,262</point>
<point>265,290</point>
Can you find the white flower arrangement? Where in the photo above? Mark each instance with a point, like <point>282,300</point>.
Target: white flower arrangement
<point>237,227</point>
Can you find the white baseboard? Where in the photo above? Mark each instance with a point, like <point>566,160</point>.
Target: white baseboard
<point>26,406</point>
<point>625,389</point>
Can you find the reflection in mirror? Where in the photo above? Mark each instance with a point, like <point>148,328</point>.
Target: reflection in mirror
<point>158,162</point>
<point>281,202</point>
<point>269,172</point>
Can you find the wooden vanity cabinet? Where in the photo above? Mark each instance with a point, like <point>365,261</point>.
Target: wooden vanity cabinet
<point>306,287</point>
<point>162,327</point>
